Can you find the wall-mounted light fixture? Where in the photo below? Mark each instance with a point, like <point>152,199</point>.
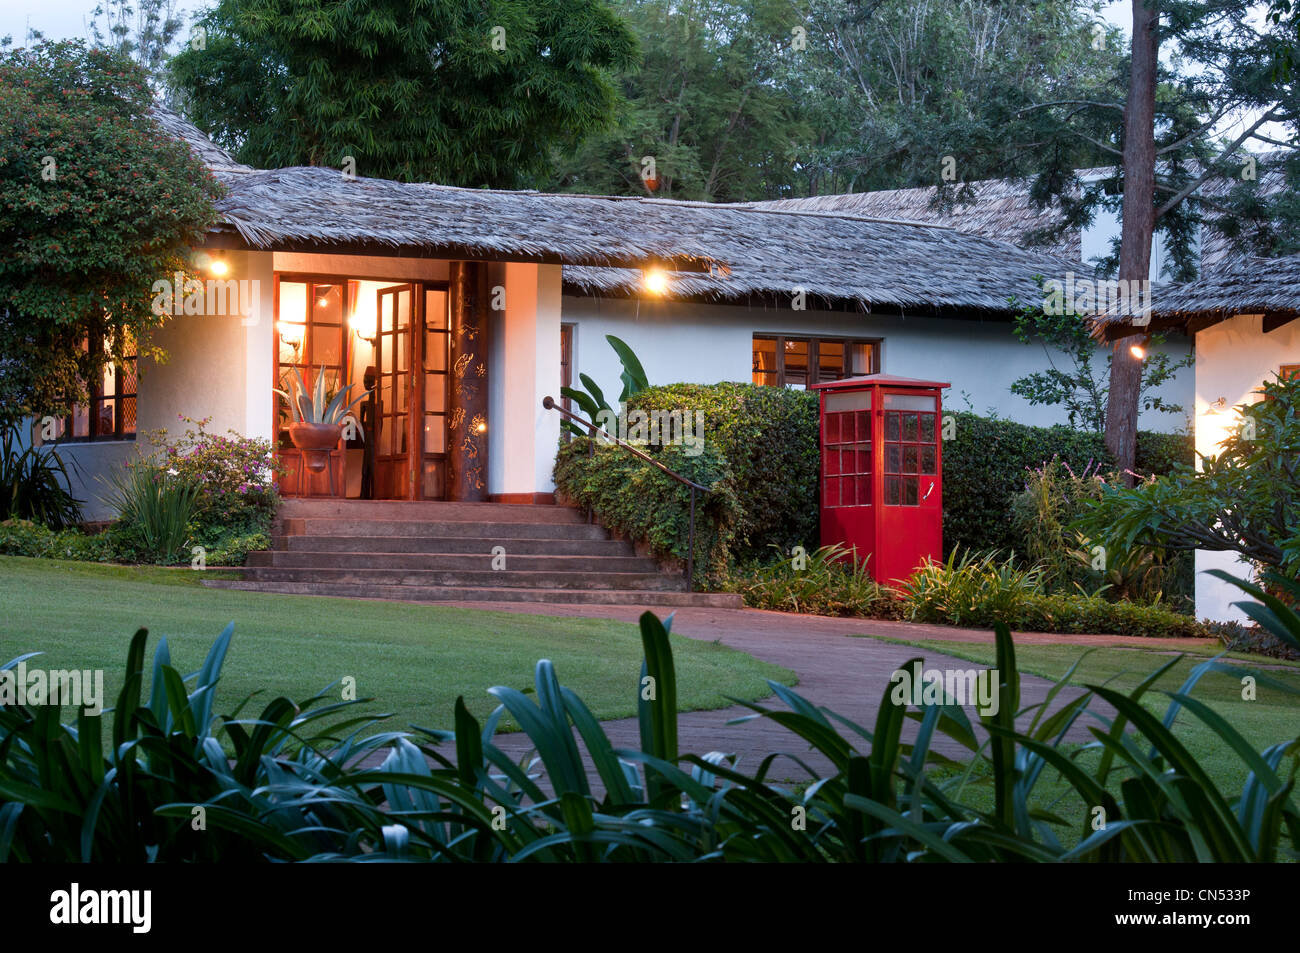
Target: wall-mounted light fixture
<point>655,281</point>
<point>364,327</point>
<point>1138,351</point>
<point>1217,406</point>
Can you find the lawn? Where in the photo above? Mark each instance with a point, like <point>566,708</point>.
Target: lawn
<point>1272,717</point>
<point>412,659</point>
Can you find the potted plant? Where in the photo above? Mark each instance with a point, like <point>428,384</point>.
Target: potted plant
<point>317,424</point>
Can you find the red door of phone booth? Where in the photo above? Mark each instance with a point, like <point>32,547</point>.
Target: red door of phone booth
<point>882,470</point>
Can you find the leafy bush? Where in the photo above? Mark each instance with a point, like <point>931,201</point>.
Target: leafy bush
<point>1042,515</point>
<point>1244,500</point>
<point>34,484</point>
<point>235,475</point>
<point>639,500</point>
<point>823,582</point>
<point>972,590</point>
<point>768,436</point>
<point>287,785</point>
<point>985,464</point>
<point>154,508</point>
<point>25,538</point>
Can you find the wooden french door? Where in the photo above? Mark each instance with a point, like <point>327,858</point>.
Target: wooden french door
<point>395,385</point>
<point>411,347</point>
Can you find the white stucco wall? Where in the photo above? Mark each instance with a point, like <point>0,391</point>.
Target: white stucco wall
<point>216,365</point>
<point>1233,359</point>
<point>694,343</point>
<point>524,367</point>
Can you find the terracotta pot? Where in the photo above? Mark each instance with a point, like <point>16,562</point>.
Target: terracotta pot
<point>315,441</point>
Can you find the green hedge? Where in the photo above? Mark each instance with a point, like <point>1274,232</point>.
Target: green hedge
<point>632,497</point>
<point>984,466</point>
<point>768,437</point>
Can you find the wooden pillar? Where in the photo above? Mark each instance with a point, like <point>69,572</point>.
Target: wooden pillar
<point>467,436</point>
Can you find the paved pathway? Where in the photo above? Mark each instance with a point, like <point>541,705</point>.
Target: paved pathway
<point>835,670</point>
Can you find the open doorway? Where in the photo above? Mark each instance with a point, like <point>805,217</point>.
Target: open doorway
<point>390,340</point>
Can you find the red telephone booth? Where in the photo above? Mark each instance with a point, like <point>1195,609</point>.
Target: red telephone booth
<point>882,470</point>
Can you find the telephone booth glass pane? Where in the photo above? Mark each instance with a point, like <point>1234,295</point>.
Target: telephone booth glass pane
<point>846,450</point>
<point>911,452</point>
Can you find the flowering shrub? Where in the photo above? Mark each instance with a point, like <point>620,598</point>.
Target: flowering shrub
<point>235,476</point>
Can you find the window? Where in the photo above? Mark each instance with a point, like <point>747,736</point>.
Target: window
<point>784,361</point>
<point>111,411</point>
<point>566,372</point>
<point>910,449</point>
<point>310,336</point>
<point>846,450</point>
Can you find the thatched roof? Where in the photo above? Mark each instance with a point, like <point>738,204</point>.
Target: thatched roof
<point>868,262</point>
<point>1249,285</point>
<point>605,241</point>
<point>1001,210</point>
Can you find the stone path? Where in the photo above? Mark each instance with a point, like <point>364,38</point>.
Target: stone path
<point>835,670</point>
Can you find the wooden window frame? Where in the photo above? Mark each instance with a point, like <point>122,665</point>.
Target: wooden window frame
<point>98,399</point>
<point>814,341</point>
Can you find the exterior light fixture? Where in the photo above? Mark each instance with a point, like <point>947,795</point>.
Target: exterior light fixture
<point>656,281</point>
<point>482,427</point>
<point>1138,351</point>
<point>364,327</point>
<point>290,333</point>
<point>1217,406</point>
<point>219,267</point>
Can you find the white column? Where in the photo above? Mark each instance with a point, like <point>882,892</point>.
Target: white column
<point>525,367</point>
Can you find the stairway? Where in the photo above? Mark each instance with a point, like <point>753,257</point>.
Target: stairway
<point>439,552</point>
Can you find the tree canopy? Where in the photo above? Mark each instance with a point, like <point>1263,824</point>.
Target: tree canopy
<point>461,93</point>
<point>96,204</point>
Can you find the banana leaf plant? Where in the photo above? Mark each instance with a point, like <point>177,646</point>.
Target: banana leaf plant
<point>316,409</point>
<point>592,401</point>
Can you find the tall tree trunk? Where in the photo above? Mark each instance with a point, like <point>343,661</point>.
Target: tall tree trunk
<point>1138,224</point>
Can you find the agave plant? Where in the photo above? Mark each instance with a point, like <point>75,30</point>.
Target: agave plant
<point>315,409</point>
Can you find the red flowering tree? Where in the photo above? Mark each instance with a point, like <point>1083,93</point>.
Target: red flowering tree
<point>96,203</point>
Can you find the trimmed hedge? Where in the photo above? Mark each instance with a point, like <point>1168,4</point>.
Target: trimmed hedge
<point>642,502</point>
<point>984,466</point>
<point>768,437</point>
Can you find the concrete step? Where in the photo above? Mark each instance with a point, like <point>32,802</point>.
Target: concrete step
<point>526,579</point>
<point>487,531</point>
<point>430,511</point>
<point>607,597</point>
<point>453,544</point>
<point>477,561</point>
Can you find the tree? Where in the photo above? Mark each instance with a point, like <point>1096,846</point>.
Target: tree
<point>457,92</point>
<point>96,204</point>
<point>140,29</point>
<point>1177,127</point>
<point>1077,384</point>
<point>710,113</point>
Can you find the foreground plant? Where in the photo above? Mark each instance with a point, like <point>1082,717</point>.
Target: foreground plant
<point>171,781</point>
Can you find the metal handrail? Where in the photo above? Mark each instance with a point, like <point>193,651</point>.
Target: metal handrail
<point>549,403</point>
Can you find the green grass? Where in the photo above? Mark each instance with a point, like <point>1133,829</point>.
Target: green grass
<point>1272,717</point>
<point>413,660</point>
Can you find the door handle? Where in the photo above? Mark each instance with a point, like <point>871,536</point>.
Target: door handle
<point>928,492</point>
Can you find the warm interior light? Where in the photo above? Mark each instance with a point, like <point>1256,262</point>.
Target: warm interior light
<point>656,281</point>
<point>291,334</point>
<point>1217,406</point>
<point>363,325</point>
<point>482,428</point>
<point>1138,351</point>
<point>219,267</point>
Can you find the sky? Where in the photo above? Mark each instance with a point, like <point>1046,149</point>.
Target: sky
<point>61,19</point>
<point>68,19</point>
